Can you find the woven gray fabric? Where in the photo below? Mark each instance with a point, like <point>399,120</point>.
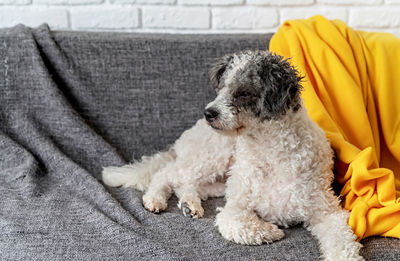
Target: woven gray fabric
<point>73,102</point>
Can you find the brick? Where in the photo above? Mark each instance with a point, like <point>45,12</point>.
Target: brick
<point>109,17</point>
<point>211,2</point>
<point>381,17</point>
<point>306,12</point>
<point>15,2</point>
<point>244,18</point>
<point>351,2</point>
<point>67,2</point>
<point>155,1</point>
<point>281,2</point>
<point>176,17</point>
<point>33,16</point>
<point>168,2</point>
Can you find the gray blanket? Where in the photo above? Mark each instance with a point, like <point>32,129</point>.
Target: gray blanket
<point>71,103</point>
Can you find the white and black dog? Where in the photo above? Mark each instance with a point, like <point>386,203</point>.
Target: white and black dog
<point>262,151</point>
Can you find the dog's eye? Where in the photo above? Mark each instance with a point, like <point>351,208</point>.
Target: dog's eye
<point>244,94</point>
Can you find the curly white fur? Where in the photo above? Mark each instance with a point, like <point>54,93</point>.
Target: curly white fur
<point>193,174</point>
<point>279,173</point>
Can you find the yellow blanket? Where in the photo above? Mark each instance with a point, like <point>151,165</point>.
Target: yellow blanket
<point>352,90</point>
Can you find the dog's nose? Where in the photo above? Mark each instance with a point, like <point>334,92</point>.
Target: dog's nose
<point>211,114</point>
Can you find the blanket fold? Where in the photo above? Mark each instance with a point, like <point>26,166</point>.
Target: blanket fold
<point>351,89</point>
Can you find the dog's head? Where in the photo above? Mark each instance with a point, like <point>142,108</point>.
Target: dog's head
<point>252,85</point>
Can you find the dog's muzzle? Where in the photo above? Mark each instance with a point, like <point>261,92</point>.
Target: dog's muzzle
<point>211,114</point>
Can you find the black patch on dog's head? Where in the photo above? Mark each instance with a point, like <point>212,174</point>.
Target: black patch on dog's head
<point>218,69</point>
<point>281,84</point>
<point>258,82</point>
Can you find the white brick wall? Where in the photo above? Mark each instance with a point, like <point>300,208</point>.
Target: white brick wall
<point>176,17</point>
<point>196,16</point>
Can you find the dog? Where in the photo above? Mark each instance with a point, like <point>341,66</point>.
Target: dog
<point>257,146</point>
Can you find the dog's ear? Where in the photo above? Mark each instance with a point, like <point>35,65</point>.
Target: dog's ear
<point>218,68</point>
<point>282,86</point>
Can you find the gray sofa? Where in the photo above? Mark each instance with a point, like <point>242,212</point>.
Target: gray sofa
<point>73,102</point>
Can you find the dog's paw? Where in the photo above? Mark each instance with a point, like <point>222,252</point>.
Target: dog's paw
<point>269,233</point>
<point>246,229</point>
<point>153,205</point>
<point>191,209</point>
<point>256,235</point>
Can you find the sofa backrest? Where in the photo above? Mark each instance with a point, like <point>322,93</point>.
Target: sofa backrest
<point>141,91</point>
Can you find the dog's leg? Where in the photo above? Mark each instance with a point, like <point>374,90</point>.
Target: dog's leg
<point>159,191</point>
<point>216,190</point>
<point>190,197</point>
<point>189,201</point>
<point>243,226</point>
<point>238,221</point>
<point>337,240</point>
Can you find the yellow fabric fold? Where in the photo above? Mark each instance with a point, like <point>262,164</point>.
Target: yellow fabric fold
<point>352,90</point>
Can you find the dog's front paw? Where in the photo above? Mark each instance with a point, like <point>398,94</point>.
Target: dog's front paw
<point>268,233</point>
<point>191,209</point>
<point>154,205</point>
<point>253,235</point>
<point>247,229</point>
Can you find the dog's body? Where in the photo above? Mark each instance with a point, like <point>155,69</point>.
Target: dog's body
<point>191,168</point>
<point>277,161</point>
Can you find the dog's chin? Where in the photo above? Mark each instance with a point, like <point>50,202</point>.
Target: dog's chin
<point>224,130</point>
<point>215,127</point>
